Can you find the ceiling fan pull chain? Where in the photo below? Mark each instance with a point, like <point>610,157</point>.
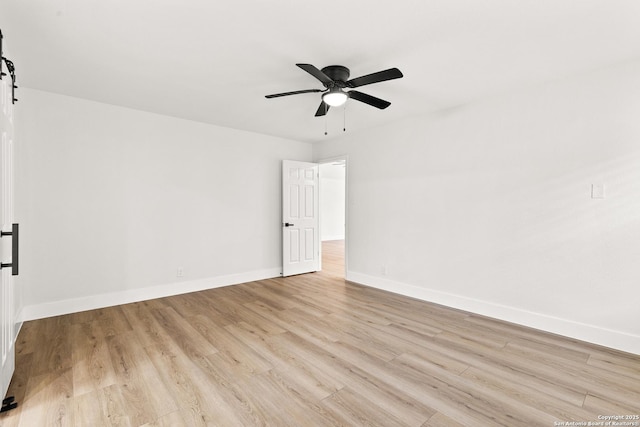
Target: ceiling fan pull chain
<point>325,118</point>
<point>344,119</point>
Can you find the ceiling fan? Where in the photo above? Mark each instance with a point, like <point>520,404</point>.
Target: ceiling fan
<point>335,79</point>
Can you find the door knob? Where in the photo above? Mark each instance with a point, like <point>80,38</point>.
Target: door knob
<point>288,224</point>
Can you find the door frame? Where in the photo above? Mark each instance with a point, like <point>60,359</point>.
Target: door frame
<point>345,158</point>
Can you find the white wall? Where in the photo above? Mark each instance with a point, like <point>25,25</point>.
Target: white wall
<point>112,201</point>
<point>332,201</point>
<point>488,207</point>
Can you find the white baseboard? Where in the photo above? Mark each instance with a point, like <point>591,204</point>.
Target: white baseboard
<point>74,305</point>
<point>581,331</point>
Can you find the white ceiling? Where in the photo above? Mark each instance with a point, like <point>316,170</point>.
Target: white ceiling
<point>214,60</point>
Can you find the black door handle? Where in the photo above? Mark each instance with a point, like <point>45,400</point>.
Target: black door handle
<point>14,249</point>
<point>288,224</point>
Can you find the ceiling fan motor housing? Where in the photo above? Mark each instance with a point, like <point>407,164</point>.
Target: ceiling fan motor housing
<point>338,74</point>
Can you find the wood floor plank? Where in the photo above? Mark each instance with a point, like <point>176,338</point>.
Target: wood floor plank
<point>112,321</point>
<point>47,402</point>
<point>310,327</point>
<point>185,380</point>
<point>145,326</point>
<point>473,399</point>
<point>181,334</point>
<point>353,410</point>
<point>620,364</point>
<point>528,396</point>
<point>375,341</point>
<point>440,420</point>
<point>173,419</point>
<point>392,400</point>
<point>608,405</point>
<point>517,373</point>
<point>297,411</point>
<point>520,366</point>
<point>192,304</point>
<point>310,380</point>
<point>276,296</point>
<point>102,407</point>
<point>92,365</point>
<point>235,358</point>
<point>56,355</point>
<point>146,397</point>
<point>312,350</point>
<point>589,377</point>
<point>555,342</point>
<point>458,402</point>
<point>27,340</point>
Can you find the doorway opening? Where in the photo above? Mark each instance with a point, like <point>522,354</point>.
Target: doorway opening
<point>333,215</point>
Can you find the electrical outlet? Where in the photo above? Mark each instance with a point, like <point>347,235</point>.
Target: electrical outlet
<point>383,270</point>
<point>180,272</point>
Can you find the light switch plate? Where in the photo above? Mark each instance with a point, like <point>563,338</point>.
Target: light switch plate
<point>597,191</point>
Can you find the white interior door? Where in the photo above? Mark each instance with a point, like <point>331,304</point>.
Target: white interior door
<point>300,224</point>
<point>7,294</point>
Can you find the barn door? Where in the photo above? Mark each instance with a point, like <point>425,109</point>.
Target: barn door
<point>8,239</point>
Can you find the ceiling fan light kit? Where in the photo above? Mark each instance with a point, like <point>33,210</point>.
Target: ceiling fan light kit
<point>335,97</point>
<point>335,78</point>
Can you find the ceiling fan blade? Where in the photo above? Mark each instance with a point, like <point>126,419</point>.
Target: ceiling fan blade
<point>276,95</point>
<point>317,74</point>
<point>380,76</point>
<point>368,99</point>
<point>322,109</point>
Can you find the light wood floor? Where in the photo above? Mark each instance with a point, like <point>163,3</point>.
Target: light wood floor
<point>309,350</point>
